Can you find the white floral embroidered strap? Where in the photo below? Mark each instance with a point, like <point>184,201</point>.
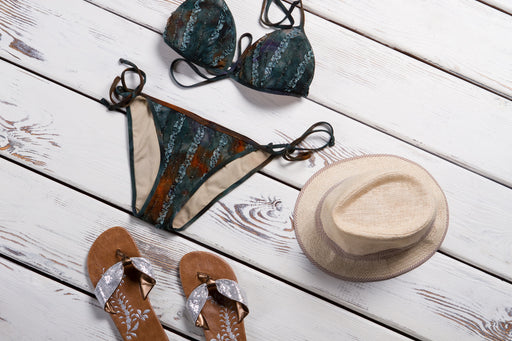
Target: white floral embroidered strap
<point>111,279</point>
<point>225,287</point>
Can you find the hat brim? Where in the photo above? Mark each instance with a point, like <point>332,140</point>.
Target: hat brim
<point>321,252</point>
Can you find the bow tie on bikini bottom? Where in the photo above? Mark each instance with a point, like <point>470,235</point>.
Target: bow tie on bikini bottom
<point>181,164</point>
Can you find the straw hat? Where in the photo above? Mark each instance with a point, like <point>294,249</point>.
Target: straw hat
<point>370,218</point>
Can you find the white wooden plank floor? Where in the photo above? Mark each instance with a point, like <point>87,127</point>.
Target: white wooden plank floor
<point>427,80</point>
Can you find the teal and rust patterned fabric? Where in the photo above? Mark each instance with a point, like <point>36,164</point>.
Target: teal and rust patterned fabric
<point>191,151</point>
<point>203,33</point>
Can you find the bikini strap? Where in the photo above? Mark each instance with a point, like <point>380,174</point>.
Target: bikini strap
<point>122,96</point>
<point>265,7</point>
<point>227,73</point>
<point>291,151</point>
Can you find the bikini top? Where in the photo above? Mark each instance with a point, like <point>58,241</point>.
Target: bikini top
<point>204,34</point>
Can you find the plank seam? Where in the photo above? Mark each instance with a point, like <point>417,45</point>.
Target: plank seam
<point>123,17</point>
<point>493,7</point>
<point>54,81</point>
<point>506,280</point>
<point>439,155</point>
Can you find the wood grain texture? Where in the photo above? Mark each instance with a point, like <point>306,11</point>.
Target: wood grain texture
<point>468,319</point>
<point>62,224</point>
<point>481,210</point>
<point>377,85</point>
<point>16,24</point>
<point>447,33</point>
<point>57,234</point>
<point>37,308</point>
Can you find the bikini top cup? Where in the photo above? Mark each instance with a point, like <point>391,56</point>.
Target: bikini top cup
<point>203,32</point>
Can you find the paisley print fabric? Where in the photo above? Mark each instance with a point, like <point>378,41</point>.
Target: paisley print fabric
<point>204,33</point>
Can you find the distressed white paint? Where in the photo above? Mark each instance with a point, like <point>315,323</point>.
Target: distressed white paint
<point>37,308</point>
<point>355,76</point>
<point>480,210</point>
<point>447,33</point>
<point>57,234</point>
<point>51,228</point>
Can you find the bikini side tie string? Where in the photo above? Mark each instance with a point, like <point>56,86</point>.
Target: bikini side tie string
<point>291,151</point>
<point>265,7</point>
<point>121,95</point>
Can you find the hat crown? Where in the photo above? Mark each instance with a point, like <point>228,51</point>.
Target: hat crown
<point>377,212</point>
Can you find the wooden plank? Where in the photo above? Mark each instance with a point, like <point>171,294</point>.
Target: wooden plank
<point>43,135</point>
<point>37,308</point>
<point>454,300</point>
<point>447,33</point>
<point>53,228</point>
<point>374,84</point>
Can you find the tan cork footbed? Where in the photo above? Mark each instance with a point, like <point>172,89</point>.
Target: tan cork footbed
<point>128,299</point>
<point>214,314</point>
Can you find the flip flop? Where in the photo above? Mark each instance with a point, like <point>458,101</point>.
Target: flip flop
<point>122,281</point>
<point>215,302</point>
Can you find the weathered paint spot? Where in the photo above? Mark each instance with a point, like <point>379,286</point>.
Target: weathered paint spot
<point>7,268</point>
<point>20,46</point>
<point>8,103</point>
<point>53,260</point>
<point>14,252</point>
<point>264,217</point>
<point>469,319</point>
<point>30,160</point>
<point>11,240</point>
<point>31,143</point>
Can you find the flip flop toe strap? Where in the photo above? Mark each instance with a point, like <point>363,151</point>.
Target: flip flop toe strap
<point>225,287</point>
<point>111,279</point>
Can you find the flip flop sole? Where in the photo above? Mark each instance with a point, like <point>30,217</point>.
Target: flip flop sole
<point>135,318</point>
